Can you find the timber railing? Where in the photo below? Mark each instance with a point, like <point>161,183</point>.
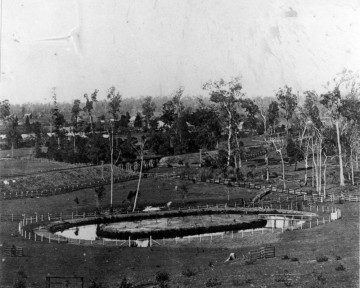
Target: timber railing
<point>297,220</point>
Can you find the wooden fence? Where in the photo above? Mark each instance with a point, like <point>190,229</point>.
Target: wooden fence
<point>263,252</point>
<point>13,251</point>
<point>64,189</point>
<point>297,221</point>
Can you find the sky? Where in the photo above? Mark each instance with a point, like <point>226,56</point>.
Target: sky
<point>151,47</point>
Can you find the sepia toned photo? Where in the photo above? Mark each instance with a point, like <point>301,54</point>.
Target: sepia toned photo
<point>179,143</point>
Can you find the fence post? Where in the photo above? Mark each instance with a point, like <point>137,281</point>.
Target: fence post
<point>129,241</point>
<point>232,234</point>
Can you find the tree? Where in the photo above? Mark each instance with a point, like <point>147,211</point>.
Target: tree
<point>332,101</point>
<point>288,102</point>
<point>4,109</point>
<point>251,110</point>
<point>227,95</point>
<point>263,106</point>
<point>148,109</point>
<point>89,106</point>
<point>293,152</point>
<point>140,149</point>
<point>207,124</point>
<point>273,114</point>
<point>75,111</point>
<point>114,109</point>
<point>279,145</point>
<point>138,121</point>
<point>13,136</point>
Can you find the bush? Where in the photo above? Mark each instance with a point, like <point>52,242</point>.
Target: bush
<point>188,272</point>
<point>212,282</point>
<point>321,278</point>
<point>285,257</point>
<point>338,258</point>
<point>162,276</point>
<point>125,284</point>
<point>294,259</point>
<point>250,261</point>
<point>20,283</point>
<point>322,259</point>
<point>340,268</point>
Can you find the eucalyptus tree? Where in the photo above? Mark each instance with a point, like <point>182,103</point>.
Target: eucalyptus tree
<point>148,109</point>
<point>288,102</point>
<point>227,95</point>
<point>75,111</point>
<point>346,83</point>
<point>279,145</point>
<point>89,106</point>
<point>114,104</point>
<point>139,147</point>
<point>273,115</point>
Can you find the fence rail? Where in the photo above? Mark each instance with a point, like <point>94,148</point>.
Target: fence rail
<point>305,222</point>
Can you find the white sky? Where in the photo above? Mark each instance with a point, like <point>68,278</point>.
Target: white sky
<point>151,47</point>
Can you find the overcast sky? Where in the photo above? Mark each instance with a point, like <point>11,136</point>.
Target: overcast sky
<point>152,47</point>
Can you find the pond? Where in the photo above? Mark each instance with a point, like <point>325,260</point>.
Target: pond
<point>89,232</point>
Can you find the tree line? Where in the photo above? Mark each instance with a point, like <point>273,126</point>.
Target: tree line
<point>320,127</point>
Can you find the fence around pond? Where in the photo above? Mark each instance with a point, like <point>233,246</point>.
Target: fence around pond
<point>297,222</point>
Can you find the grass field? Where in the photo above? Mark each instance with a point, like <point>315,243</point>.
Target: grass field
<point>15,167</point>
<point>186,266</point>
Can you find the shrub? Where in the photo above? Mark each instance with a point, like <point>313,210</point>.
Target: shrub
<point>285,257</point>
<point>321,278</point>
<point>212,282</point>
<point>125,283</point>
<point>322,259</point>
<point>162,276</point>
<point>94,284</point>
<point>338,258</point>
<point>340,268</point>
<point>20,283</point>
<point>250,261</point>
<point>188,272</point>
<point>294,259</point>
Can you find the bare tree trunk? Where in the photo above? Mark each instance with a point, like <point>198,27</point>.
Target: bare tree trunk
<point>306,165</point>
<point>229,141</point>
<point>112,170</point>
<point>320,144</point>
<point>315,170</point>
<point>342,180</point>
<point>352,166</point>
<point>283,168</point>
<point>325,175</point>
<point>267,166</point>
<point>138,186</point>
